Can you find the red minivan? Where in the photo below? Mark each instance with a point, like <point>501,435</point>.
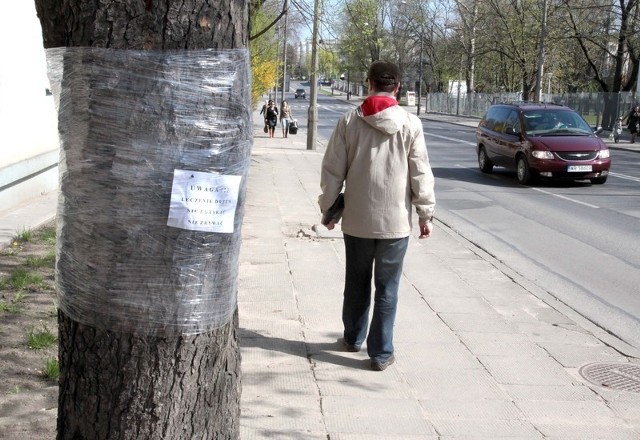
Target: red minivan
<point>541,140</point>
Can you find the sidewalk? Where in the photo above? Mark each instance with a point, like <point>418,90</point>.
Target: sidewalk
<point>481,353</point>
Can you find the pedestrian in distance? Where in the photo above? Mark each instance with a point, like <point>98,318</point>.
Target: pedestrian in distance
<point>285,118</point>
<point>271,118</point>
<point>378,152</point>
<point>263,111</point>
<point>633,119</point>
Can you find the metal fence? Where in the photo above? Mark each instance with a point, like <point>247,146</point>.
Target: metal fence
<point>596,108</point>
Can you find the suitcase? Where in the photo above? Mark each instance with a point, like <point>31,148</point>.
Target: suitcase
<point>293,127</point>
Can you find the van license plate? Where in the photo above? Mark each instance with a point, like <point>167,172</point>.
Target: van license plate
<point>579,168</point>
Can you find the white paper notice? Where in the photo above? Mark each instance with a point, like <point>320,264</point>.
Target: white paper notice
<point>203,201</point>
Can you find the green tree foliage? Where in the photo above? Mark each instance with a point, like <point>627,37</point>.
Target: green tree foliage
<point>264,51</point>
<point>606,36</point>
<point>495,44</point>
<point>328,63</point>
<point>363,37</point>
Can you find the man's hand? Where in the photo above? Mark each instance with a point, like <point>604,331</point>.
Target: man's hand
<point>426,227</point>
<point>331,225</point>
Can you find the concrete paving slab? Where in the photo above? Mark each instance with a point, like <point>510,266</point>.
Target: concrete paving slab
<point>330,334</point>
<point>335,380</point>
<point>280,308</point>
<point>484,409</point>
<point>442,286</point>
<point>586,431</point>
<point>526,371</point>
<point>267,327</point>
<point>590,412</point>
<point>611,395</point>
<point>247,433</point>
<point>410,330</point>
<point>325,358</point>
<point>453,383</point>
<point>545,393</point>
<point>475,306</point>
<point>310,249</point>
<point>514,313</point>
<point>321,323</point>
<point>419,356</point>
<point>501,344</point>
<point>501,290</point>
<point>285,381</point>
<point>307,273</point>
<point>628,410</point>
<point>346,414</point>
<point>266,277</point>
<point>489,429</point>
<point>291,414</point>
<point>261,255</point>
<point>541,332</point>
<point>270,351</point>
<point>574,356</point>
<point>358,436</point>
<point>464,322</point>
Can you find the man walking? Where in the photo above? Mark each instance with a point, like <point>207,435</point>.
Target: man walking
<point>379,153</point>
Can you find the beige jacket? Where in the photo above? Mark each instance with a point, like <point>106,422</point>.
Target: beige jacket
<point>382,160</point>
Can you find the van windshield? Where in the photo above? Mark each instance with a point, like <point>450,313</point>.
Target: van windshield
<point>555,122</point>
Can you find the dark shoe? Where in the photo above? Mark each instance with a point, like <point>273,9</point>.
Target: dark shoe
<point>353,348</point>
<point>381,366</point>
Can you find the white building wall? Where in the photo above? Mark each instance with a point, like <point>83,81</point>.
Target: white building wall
<point>28,133</point>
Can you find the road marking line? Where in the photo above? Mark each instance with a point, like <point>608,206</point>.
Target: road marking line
<point>624,176</point>
<point>566,198</point>
<point>450,138</point>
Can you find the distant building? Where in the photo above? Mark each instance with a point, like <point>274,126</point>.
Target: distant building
<point>454,84</point>
<point>28,122</point>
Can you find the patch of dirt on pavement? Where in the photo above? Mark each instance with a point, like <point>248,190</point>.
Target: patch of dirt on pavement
<point>28,398</point>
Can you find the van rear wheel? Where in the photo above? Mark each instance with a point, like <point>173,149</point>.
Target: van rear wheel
<point>484,163</point>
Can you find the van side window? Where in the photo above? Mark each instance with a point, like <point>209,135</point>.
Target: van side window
<point>512,122</point>
<point>494,119</point>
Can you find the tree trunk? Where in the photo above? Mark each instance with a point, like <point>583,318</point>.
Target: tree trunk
<point>134,364</point>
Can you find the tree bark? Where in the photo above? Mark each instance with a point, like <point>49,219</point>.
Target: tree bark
<point>117,380</point>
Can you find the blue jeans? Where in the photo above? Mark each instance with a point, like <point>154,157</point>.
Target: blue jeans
<point>364,255</point>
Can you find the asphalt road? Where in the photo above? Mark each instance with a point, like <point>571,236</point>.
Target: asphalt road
<point>576,241</point>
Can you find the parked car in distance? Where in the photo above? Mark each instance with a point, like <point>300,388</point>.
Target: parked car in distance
<point>541,140</point>
<point>300,93</point>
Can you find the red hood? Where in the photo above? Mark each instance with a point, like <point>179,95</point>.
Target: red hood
<point>375,104</point>
<point>568,143</point>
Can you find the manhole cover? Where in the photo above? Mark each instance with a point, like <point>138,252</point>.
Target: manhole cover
<point>617,376</point>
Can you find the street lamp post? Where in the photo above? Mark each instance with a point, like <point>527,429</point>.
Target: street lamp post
<point>420,75</point>
<point>403,4</point>
<point>284,51</point>
<point>312,129</point>
<point>348,86</point>
<point>459,87</point>
<point>541,53</point>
